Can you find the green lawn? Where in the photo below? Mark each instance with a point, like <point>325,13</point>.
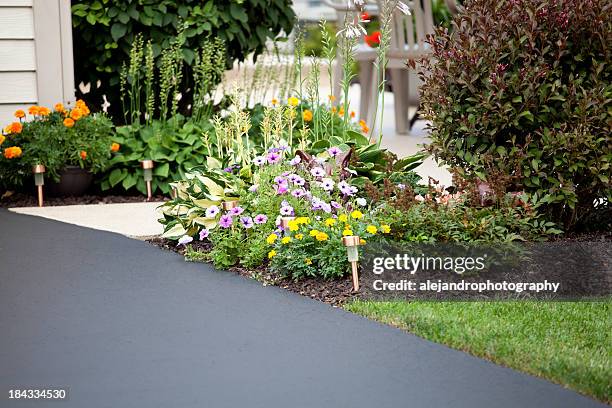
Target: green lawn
<point>569,343</point>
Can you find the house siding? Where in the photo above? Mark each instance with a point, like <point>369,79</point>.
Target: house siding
<point>36,64</point>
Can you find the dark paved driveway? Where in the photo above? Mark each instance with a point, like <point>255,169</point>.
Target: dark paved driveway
<point>124,324</point>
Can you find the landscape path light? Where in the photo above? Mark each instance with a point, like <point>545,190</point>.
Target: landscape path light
<point>228,205</point>
<point>284,224</point>
<point>352,243</point>
<point>39,181</point>
<point>147,166</point>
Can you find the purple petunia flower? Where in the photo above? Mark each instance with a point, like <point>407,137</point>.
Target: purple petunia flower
<point>334,151</point>
<point>286,210</point>
<point>226,221</point>
<point>259,161</point>
<point>279,180</point>
<point>401,186</point>
<point>347,189</point>
<point>261,219</point>
<point>292,177</point>
<point>299,181</point>
<point>212,211</point>
<point>281,188</point>
<point>204,234</point>
<point>317,172</point>
<point>327,184</point>
<point>184,240</point>
<point>298,192</point>
<point>335,205</point>
<point>236,211</point>
<point>273,158</point>
<point>295,161</point>
<point>247,222</point>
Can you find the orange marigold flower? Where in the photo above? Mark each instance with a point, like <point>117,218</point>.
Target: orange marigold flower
<point>334,109</point>
<point>59,107</point>
<point>115,147</point>
<point>341,111</point>
<point>365,129</point>
<point>15,127</point>
<point>331,98</point>
<point>83,154</point>
<point>80,103</point>
<point>68,122</point>
<point>274,101</point>
<point>44,111</point>
<point>85,110</point>
<point>352,114</point>
<point>307,115</point>
<point>33,110</point>
<point>12,152</point>
<point>76,114</point>
<point>19,113</point>
<point>362,123</point>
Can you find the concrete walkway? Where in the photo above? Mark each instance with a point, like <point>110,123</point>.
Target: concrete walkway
<point>124,324</point>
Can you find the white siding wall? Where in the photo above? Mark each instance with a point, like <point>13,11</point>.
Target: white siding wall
<point>35,55</point>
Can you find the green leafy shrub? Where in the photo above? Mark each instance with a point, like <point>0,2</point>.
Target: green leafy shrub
<point>176,146</point>
<point>54,139</point>
<point>523,87</point>
<point>104,31</point>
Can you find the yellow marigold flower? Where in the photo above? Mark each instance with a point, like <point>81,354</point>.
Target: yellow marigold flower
<point>68,122</point>
<point>341,111</point>
<point>271,254</point>
<point>293,101</point>
<point>342,218</point>
<point>385,229</point>
<point>44,111</point>
<point>308,261</point>
<point>33,110</point>
<point>274,101</point>
<point>286,240</point>
<point>362,123</point>
<point>2,138</point>
<point>347,233</point>
<point>12,152</point>
<point>362,241</point>
<point>332,98</point>
<point>307,115</point>
<point>59,107</point>
<point>15,127</point>
<point>271,238</point>
<point>372,229</point>
<point>321,236</point>
<point>303,220</point>
<point>19,113</point>
<point>115,147</point>
<point>314,232</point>
<point>357,214</point>
<point>334,109</point>
<point>299,236</point>
<point>76,114</point>
<point>330,222</point>
<point>293,225</point>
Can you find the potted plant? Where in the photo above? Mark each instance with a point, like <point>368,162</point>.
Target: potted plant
<point>70,142</point>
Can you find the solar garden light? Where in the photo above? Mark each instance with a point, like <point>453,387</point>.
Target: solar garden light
<point>228,205</point>
<point>284,223</point>
<point>39,181</point>
<point>352,251</point>
<point>147,166</point>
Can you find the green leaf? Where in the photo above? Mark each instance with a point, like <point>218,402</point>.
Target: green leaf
<point>116,176</point>
<point>118,30</point>
<point>162,170</point>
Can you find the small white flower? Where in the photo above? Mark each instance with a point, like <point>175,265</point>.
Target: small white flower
<point>184,240</point>
<point>362,202</point>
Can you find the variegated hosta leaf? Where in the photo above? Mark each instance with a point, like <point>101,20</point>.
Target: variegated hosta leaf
<point>175,232</point>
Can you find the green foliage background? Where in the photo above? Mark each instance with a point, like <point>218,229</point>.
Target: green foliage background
<point>103,32</point>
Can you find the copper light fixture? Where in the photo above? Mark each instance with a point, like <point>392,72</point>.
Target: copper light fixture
<point>284,223</point>
<point>39,181</point>
<point>228,205</point>
<point>352,243</point>
<point>147,166</point>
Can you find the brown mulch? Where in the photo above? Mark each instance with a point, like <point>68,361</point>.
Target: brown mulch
<point>30,200</point>
<point>334,292</point>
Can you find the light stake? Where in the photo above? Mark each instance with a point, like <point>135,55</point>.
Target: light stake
<point>284,223</point>
<point>39,181</point>
<point>147,166</point>
<point>352,251</point>
<point>228,205</point>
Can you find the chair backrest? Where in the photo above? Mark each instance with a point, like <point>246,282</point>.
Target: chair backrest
<point>409,32</point>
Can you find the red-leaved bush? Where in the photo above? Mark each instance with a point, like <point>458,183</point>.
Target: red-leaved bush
<point>524,86</point>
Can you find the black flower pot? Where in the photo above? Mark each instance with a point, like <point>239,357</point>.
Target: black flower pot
<point>74,181</point>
